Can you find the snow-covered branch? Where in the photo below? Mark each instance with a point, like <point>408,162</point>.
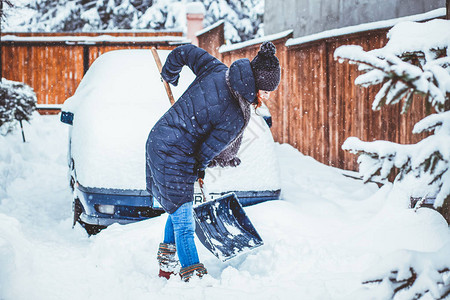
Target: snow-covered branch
<point>400,79</point>
<point>430,158</point>
<point>412,275</point>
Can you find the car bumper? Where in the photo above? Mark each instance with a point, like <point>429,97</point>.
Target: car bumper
<point>136,205</point>
<point>129,206</point>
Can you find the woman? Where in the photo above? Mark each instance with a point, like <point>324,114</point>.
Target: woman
<point>203,128</point>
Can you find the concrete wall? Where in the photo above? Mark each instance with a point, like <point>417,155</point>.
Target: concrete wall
<point>312,16</point>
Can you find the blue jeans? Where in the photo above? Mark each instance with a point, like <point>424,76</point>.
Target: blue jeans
<point>179,230</point>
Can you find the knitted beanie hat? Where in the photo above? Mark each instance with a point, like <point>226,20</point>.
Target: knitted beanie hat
<point>266,68</point>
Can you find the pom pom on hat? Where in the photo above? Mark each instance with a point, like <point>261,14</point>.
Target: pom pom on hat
<point>267,49</point>
<point>266,68</point>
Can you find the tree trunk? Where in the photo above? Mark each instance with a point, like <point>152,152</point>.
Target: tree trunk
<point>448,9</point>
<point>1,48</point>
<point>444,210</point>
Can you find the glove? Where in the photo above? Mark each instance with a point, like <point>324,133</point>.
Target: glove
<point>201,174</point>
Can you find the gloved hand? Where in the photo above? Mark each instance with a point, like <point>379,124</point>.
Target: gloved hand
<point>201,174</point>
<point>199,171</point>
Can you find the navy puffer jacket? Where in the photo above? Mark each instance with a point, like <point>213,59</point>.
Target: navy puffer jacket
<point>201,123</point>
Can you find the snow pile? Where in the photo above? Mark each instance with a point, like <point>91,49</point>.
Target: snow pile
<point>327,235</point>
<point>195,8</point>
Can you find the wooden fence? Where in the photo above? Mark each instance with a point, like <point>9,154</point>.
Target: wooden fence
<point>53,64</point>
<point>317,105</point>
<point>315,109</point>
<point>215,38</point>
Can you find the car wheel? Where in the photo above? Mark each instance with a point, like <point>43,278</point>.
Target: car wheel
<point>77,211</point>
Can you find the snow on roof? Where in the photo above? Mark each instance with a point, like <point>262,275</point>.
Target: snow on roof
<point>94,39</point>
<point>209,28</point>
<point>272,37</point>
<point>365,27</point>
<point>195,8</point>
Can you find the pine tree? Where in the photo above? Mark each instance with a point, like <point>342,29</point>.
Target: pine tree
<point>418,64</point>
<point>243,18</point>
<point>4,3</point>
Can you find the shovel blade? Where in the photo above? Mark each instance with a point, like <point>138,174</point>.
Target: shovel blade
<point>224,229</point>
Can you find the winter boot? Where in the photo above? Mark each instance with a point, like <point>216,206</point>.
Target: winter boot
<point>188,272</point>
<point>168,262</point>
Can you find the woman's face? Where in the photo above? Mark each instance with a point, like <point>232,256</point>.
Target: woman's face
<point>264,94</point>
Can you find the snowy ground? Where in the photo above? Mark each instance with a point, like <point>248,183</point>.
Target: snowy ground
<point>320,240</point>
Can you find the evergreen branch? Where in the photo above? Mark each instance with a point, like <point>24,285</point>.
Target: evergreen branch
<point>409,283</point>
<point>418,79</point>
<point>408,101</point>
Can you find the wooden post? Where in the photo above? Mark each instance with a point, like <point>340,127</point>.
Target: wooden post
<point>85,59</point>
<point>23,133</point>
<point>1,48</point>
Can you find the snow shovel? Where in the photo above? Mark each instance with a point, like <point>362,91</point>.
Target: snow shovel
<point>223,227</point>
<point>221,224</point>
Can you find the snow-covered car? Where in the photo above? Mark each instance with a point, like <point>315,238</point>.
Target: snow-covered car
<point>115,106</point>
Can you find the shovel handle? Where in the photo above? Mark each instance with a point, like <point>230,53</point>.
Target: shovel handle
<point>166,84</point>
<point>201,183</point>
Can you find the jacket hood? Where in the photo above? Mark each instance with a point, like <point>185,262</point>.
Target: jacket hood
<point>242,80</point>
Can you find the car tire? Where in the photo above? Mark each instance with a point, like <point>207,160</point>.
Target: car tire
<point>77,211</point>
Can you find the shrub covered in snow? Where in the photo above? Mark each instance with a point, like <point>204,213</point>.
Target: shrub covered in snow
<point>17,103</point>
<point>416,60</point>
